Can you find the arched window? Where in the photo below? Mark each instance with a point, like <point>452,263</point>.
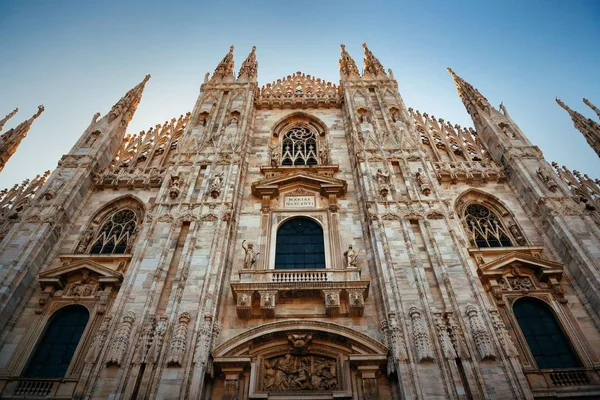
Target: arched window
<point>546,340</point>
<point>486,229</point>
<point>56,348</point>
<point>299,147</point>
<point>116,233</point>
<point>300,245</point>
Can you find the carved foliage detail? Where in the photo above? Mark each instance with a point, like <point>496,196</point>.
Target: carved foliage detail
<point>420,336</point>
<point>179,341</point>
<point>480,334</point>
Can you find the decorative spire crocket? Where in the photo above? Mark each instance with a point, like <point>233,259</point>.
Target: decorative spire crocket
<point>10,140</point>
<point>128,104</point>
<point>348,68</point>
<point>224,70</point>
<point>8,116</point>
<point>372,65</point>
<point>249,69</point>
<point>588,127</point>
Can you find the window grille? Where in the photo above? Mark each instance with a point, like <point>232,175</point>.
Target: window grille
<point>299,147</point>
<point>115,234</point>
<point>300,245</point>
<point>545,338</point>
<point>56,348</point>
<point>485,227</point>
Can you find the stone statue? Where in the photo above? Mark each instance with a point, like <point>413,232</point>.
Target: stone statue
<point>274,155</point>
<point>350,257</point>
<point>85,240</point>
<point>382,177</point>
<point>547,179</point>
<point>423,182</point>
<point>215,186</point>
<point>250,257</point>
<point>324,156</point>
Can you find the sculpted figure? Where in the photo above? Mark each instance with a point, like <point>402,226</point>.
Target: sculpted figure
<point>350,257</point>
<point>382,177</point>
<point>250,257</point>
<point>85,240</point>
<point>547,179</point>
<point>274,156</point>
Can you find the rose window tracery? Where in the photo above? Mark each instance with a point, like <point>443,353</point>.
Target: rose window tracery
<point>299,147</point>
<point>485,228</point>
<point>116,233</point>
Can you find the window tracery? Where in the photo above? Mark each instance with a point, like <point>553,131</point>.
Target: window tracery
<point>299,147</point>
<point>485,228</point>
<point>116,233</point>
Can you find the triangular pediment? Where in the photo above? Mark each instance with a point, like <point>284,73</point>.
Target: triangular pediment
<point>323,184</point>
<point>540,267</point>
<point>59,275</point>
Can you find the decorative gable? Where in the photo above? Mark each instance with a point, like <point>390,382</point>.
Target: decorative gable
<point>327,186</point>
<point>299,91</point>
<point>85,270</point>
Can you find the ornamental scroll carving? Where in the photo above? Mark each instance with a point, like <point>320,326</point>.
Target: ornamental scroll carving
<point>119,344</point>
<point>299,373</point>
<point>480,334</point>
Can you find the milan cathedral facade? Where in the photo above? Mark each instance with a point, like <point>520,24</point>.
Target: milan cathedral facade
<point>301,240</point>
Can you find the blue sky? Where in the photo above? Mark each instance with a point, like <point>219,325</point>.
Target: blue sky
<point>79,57</point>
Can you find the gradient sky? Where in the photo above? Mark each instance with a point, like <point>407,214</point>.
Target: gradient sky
<point>79,57</point>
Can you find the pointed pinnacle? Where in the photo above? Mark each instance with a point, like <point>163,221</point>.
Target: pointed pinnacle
<point>586,101</point>
<point>8,116</point>
<point>371,63</point>
<point>128,104</point>
<point>249,68</point>
<point>347,65</point>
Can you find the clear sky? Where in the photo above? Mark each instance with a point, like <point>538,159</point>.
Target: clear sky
<point>78,57</point>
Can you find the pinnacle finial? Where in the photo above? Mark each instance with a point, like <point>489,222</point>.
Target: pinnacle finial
<point>589,128</point>
<point>10,140</point>
<point>249,68</point>
<point>8,116</point>
<point>128,104</point>
<point>348,68</point>
<point>589,104</point>
<point>371,64</point>
<point>224,70</point>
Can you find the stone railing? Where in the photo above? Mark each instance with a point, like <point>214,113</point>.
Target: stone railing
<point>33,388</point>
<point>468,171</point>
<point>569,378</point>
<point>130,178</point>
<point>300,275</point>
<point>342,290</point>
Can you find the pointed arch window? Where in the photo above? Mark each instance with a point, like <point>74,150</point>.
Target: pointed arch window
<point>300,245</point>
<point>546,340</point>
<point>116,233</point>
<point>299,147</point>
<point>485,227</point>
<point>53,355</point>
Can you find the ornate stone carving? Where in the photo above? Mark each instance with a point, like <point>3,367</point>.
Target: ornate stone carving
<point>523,283</point>
<point>145,340</point>
<point>420,336</point>
<point>356,303</point>
<point>244,304</point>
<point>55,184</point>
<point>215,185</point>
<point>443,336</point>
<point>396,341</point>
<point>299,89</point>
<point>350,257</point>
<point>267,303</point>
<point>44,299</point>
<point>202,349</point>
<point>506,341</point>
<point>423,182</point>
<point>299,343</point>
<point>480,334</point>
<point>120,343</point>
<point>383,179</point>
<point>179,340</point>
<point>174,188</point>
<point>332,302</point>
<point>546,179</point>
<point>85,241</point>
<point>98,342</point>
<point>457,337</point>
<point>299,373</point>
<point>249,256</point>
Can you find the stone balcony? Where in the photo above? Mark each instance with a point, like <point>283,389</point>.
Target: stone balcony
<point>262,293</point>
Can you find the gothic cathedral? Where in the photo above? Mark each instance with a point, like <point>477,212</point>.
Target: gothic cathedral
<point>301,240</point>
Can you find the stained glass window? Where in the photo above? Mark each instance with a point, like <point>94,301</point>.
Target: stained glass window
<point>485,227</point>
<point>299,147</point>
<point>115,234</point>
